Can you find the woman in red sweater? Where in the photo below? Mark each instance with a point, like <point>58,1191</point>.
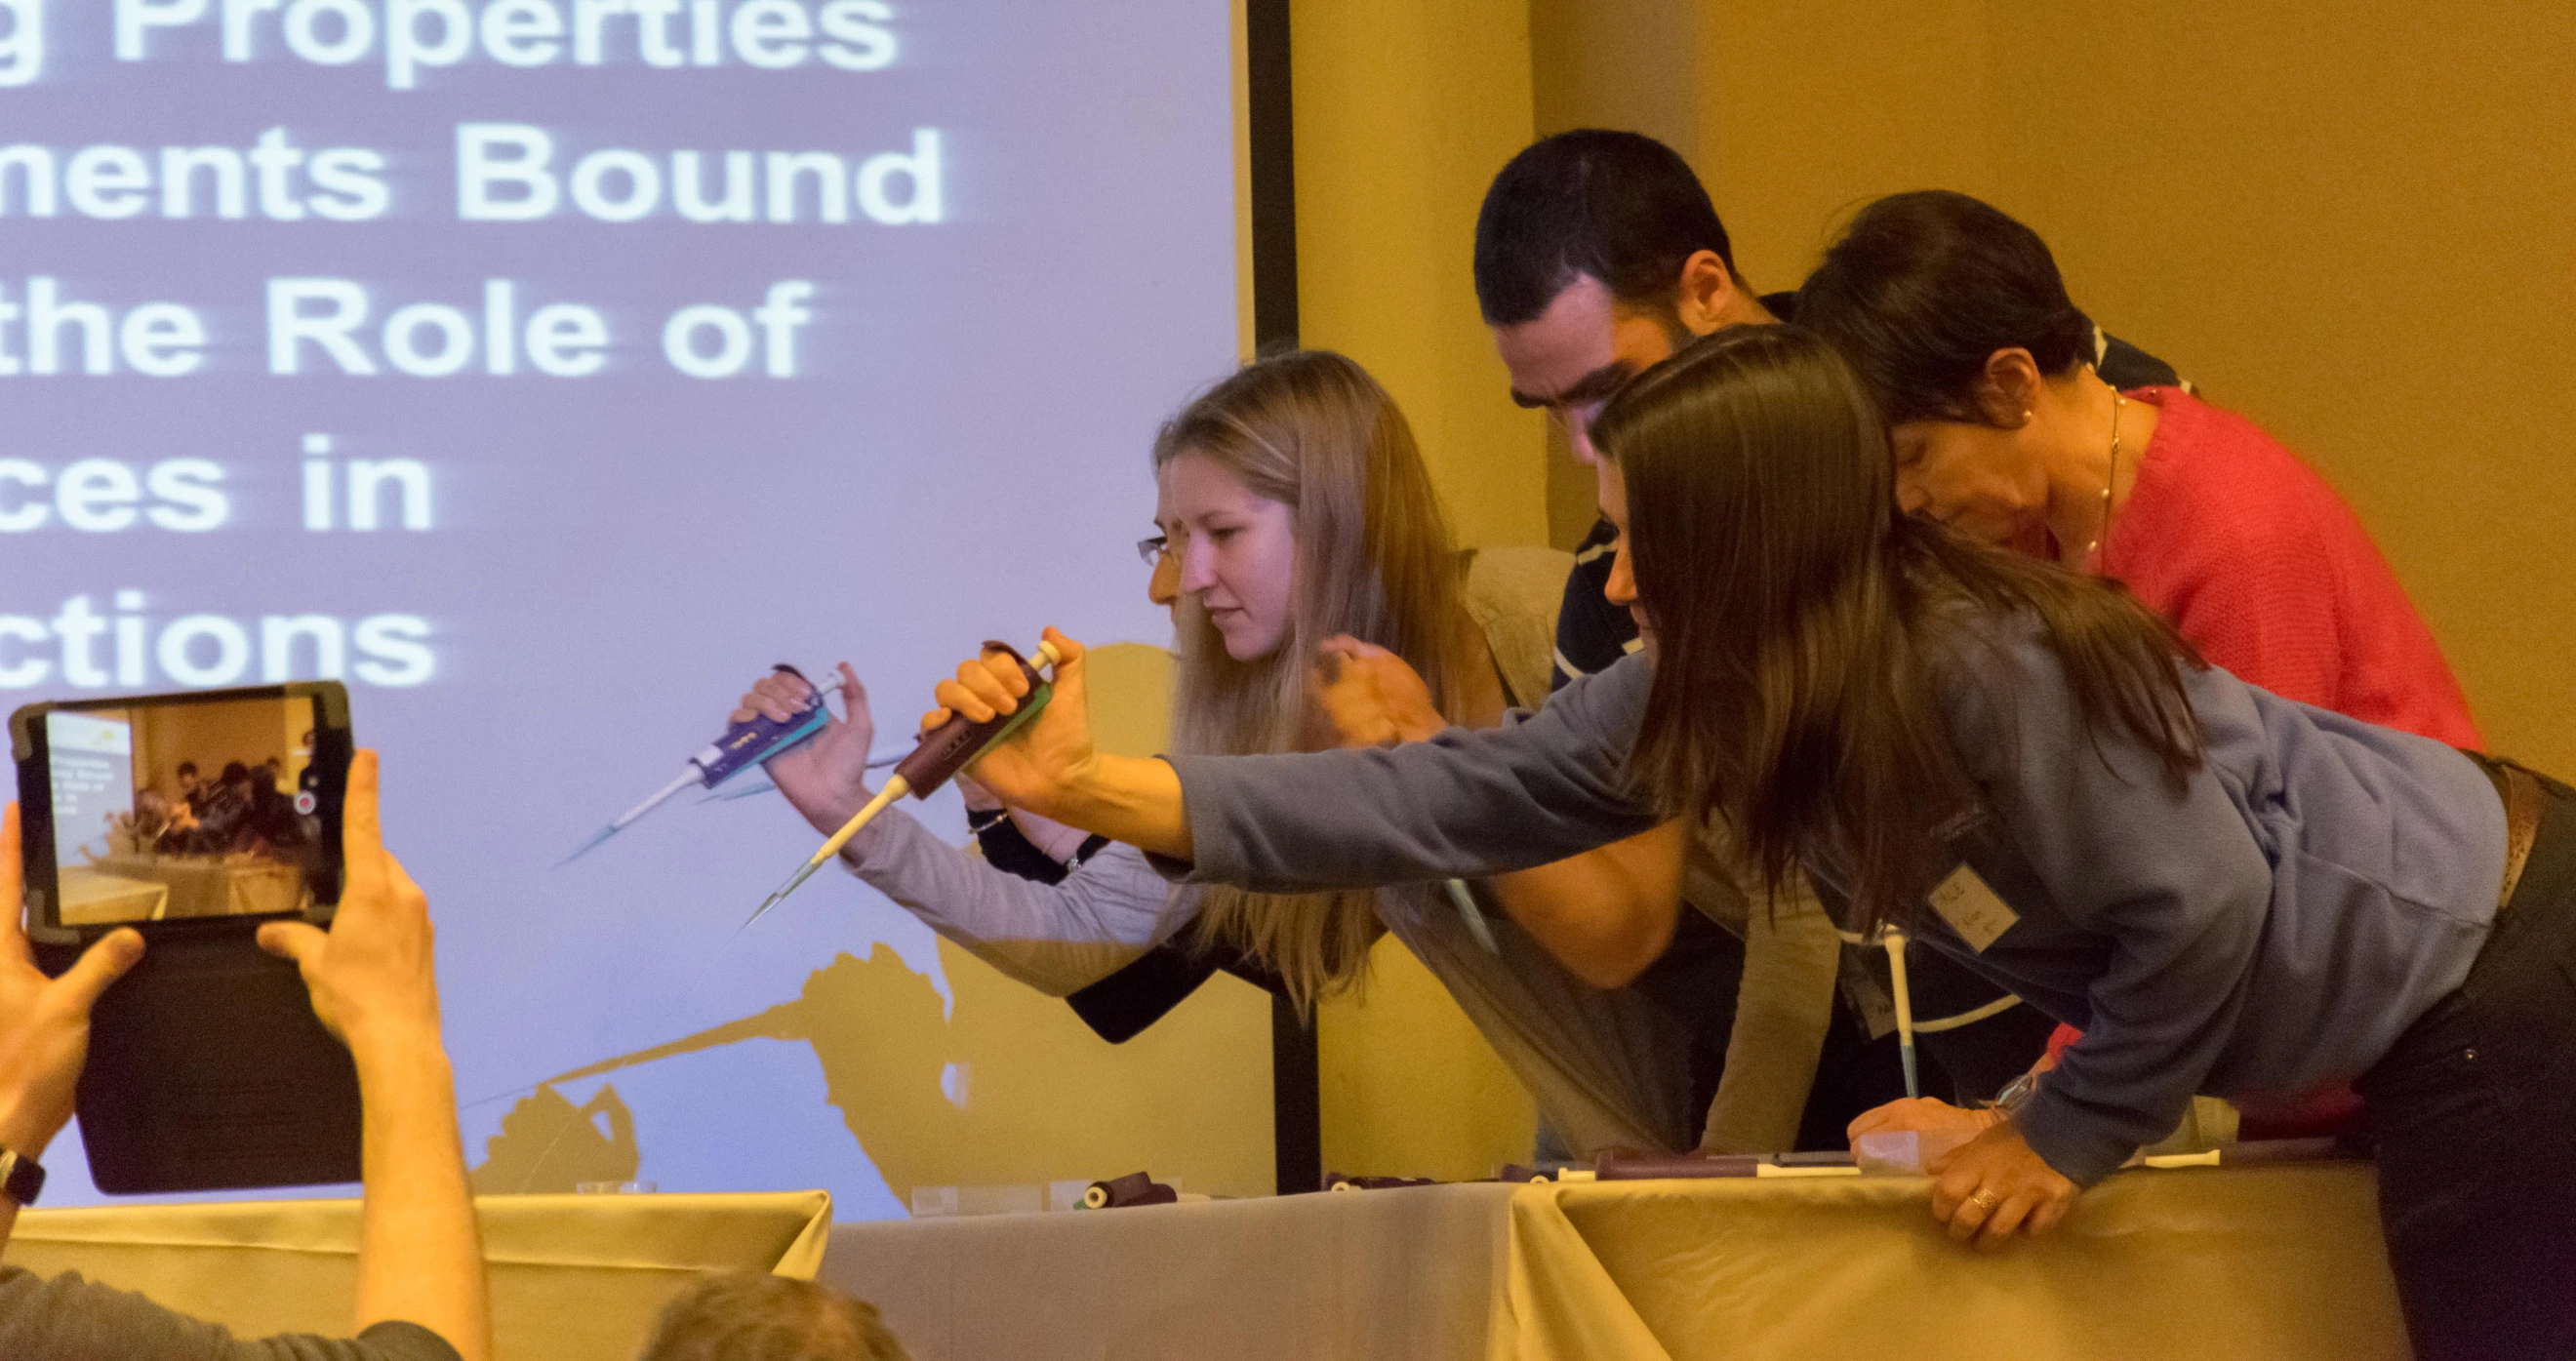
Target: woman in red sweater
<point>1956,318</point>
<point>1955,315</point>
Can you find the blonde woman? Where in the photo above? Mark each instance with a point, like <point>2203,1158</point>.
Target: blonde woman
<point>1305,528</point>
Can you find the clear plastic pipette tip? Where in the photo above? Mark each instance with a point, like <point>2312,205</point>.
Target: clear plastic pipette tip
<point>794,882</point>
<point>686,778</point>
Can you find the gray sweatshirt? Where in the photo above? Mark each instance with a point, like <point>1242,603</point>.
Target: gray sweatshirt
<point>69,1319</point>
<point>2318,884</point>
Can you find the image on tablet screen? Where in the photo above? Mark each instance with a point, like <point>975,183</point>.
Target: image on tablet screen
<point>190,810</point>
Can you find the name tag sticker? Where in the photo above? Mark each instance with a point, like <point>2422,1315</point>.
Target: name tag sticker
<point>1972,909</point>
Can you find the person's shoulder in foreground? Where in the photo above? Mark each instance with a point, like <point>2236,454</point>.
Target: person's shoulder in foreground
<point>66,1318</point>
<point>744,1316</point>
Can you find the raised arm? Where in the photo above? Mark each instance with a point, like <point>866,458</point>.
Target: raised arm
<point>1057,938</point>
<point>44,1023</point>
<point>374,982</point>
<point>1463,805</point>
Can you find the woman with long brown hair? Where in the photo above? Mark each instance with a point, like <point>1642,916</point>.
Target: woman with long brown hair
<point>1299,525</point>
<point>2230,892</point>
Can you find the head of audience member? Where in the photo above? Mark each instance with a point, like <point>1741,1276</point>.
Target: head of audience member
<point>190,787</point>
<point>272,770</point>
<point>1956,319</point>
<point>1798,616</point>
<point>1598,254</point>
<point>746,1317</point>
<point>1298,509</point>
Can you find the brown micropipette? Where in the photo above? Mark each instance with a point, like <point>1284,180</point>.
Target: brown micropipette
<point>944,751</point>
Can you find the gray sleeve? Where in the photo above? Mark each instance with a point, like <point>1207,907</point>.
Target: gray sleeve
<point>1465,804</point>
<point>69,1319</point>
<point>1058,938</point>
<point>2174,880</point>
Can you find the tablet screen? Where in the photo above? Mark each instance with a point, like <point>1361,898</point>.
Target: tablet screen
<point>190,809</point>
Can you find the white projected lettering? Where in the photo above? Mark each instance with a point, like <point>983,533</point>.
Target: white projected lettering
<point>327,326</point>
<point>544,371</point>
<point>201,651</point>
<point>413,36</point>
<point>513,172</point>
<point>272,179</point>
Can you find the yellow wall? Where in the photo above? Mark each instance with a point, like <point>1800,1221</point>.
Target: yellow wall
<point>1628,64</point>
<point>1404,111</point>
<point>2355,224</point>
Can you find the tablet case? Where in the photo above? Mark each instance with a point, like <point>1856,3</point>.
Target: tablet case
<point>208,1071</point>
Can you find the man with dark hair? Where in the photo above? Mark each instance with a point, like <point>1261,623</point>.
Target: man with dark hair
<point>742,1316</point>
<point>1597,255</point>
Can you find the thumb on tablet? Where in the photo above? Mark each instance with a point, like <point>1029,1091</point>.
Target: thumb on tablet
<point>291,940</point>
<point>100,965</point>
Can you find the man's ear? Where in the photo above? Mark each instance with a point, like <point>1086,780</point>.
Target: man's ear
<point>2008,388</point>
<point>1708,293</point>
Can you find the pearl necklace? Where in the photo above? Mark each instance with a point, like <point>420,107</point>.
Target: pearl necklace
<point>2110,479</point>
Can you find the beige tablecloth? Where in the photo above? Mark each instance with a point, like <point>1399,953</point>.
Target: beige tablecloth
<point>2278,1262</point>
<point>574,1278</point>
<point>1340,1275</point>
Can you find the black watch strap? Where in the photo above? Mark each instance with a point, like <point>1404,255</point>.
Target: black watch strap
<point>21,1179</point>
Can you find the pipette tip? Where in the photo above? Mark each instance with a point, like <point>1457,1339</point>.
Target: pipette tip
<point>587,847</point>
<point>794,882</point>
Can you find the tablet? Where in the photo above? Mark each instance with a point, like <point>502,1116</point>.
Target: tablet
<point>193,818</point>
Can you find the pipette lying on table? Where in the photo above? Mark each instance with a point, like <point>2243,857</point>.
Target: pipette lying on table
<point>744,745</point>
<point>943,752</point>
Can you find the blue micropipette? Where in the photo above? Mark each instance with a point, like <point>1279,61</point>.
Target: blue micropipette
<point>744,745</point>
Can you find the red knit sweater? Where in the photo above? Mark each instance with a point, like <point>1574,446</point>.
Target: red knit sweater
<point>2264,569</point>
<point>2261,566</point>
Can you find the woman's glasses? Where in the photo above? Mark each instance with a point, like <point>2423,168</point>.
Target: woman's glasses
<point>1153,549</point>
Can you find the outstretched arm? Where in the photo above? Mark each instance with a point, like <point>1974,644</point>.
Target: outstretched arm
<point>1605,914</point>
<point>1464,805</point>
<point>374,983</point>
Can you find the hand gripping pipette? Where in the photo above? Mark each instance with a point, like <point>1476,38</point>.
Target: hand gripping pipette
<point>743,746</point>
<point>943,752</point>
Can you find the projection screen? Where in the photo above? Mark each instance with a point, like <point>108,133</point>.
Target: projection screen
<point>548,369</point>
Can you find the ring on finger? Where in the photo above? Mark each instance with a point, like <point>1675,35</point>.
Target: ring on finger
<point>1986,1200</point>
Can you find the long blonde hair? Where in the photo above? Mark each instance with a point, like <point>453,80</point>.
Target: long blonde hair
<point>1312,431</point>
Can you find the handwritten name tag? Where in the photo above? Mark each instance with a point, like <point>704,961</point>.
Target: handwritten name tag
<point>1972,909</point>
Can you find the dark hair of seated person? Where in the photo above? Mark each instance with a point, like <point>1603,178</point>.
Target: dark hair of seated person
<point>746,1316</point>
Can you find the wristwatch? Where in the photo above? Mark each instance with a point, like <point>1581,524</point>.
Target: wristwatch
<point>21,1179</point>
